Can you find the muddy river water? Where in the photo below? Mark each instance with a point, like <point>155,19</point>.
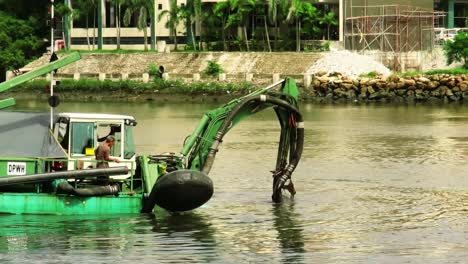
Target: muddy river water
<point>376,184</point>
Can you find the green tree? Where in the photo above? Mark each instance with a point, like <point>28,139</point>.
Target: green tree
<point>188,13</point>
<point>175,14</point>
<point>61,10</point>
<point>329,19</point>
<point>457,50</point>
<point>300,12</point>
<point>118,14</point>
<point>221,11</point>
<point>144,8</point>
<point>277,13</point>
<point>86,8</point>
<point>242,10</point>
<point>18,44</point>
<point>193,15</point>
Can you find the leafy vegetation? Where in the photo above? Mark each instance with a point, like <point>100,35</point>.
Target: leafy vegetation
<point>454,71</point>
<point>18,44</point>
<point>213,69</point>
<point>173,87</point>
<point>457,50</point>
<point>371,74</point>
<point>116,51</point>
<point>144,9</point>
<point>153,70</point>
<point>174,16</point>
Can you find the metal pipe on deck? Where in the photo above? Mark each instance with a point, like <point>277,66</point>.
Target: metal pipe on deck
<point>75,174</point>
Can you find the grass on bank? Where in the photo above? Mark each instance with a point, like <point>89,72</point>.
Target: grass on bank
<point>175,87</point>
<point>115,51</point>
<point>453,71</point>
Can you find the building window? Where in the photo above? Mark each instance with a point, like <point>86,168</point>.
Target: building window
<point>159,6</point>
<point>182,5</point>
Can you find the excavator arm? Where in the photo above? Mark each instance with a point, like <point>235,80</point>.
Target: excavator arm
<point>53,65</point>
<point>201,147</point>
<point>187,186</point>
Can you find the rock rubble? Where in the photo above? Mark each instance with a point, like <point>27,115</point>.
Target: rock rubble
<point>347,63</point>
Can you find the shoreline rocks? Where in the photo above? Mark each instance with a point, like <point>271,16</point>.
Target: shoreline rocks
<point>432,88</point>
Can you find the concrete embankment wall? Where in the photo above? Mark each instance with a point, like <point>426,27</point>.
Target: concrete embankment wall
<point>188,63</point>
<point>264,68</point>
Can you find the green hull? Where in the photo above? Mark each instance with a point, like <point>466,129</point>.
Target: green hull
<point>41,203</point>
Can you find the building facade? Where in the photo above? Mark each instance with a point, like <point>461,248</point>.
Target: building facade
<point>456,12</point>
<point>102,25</point>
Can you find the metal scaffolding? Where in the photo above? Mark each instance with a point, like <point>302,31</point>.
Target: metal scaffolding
<point>390,29</point>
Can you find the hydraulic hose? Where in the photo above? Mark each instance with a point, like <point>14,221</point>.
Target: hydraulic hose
<point>260,98</point>
<point>284,171</point>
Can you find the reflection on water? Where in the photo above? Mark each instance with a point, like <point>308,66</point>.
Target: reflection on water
<point>290,236</point>
<point>376,184</point>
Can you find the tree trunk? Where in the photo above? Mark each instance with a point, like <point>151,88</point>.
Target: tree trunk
<point>201,30</point>
<point>94,28</point>
<point>145,37</point>
<point>246,40</point>
<point>328,31</point>
<point>194,43</point>
<point>87,32</point>
<point>276,36</point>
<point>175,39</point>
<point>298,41</point>
<point>223,36</point>
<point>267,35</point>
<point>118,26</point>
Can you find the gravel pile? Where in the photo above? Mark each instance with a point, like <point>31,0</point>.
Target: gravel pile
<point>347,63</point>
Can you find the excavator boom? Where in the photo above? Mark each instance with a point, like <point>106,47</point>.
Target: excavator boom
<point>33,74</point>
<point>200,149</point>
<point>186,186</point>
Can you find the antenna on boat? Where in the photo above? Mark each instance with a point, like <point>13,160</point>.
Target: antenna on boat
<point>53,57</point>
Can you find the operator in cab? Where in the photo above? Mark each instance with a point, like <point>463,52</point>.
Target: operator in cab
<point>102,153</point>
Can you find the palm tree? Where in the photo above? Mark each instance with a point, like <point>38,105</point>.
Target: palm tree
<point>86,7</point>
<point>277,13</point>
<point>300,11</point>
<point>144,8</point>
<point>329,19</point>
<point>221,11</point>
<point>243,9</point>
<point>192,14</point>
<point>175,15</point>
<point>118,7</point>
<point>64,11</point>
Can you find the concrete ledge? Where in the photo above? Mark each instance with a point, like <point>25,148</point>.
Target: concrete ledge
<point>9,75</point>
<point>76,76</point>
<point>275,77</point>
<point>102,76</point>
<point>222,77</point>
<point>145,77</point>
<point>248,77</point>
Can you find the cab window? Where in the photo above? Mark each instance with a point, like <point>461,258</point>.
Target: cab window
<point>82,134</point>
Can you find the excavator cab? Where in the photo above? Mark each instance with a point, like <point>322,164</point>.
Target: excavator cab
<point>79,134</point>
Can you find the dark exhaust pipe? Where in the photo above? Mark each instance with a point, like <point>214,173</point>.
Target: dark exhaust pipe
<point>65,187</point>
